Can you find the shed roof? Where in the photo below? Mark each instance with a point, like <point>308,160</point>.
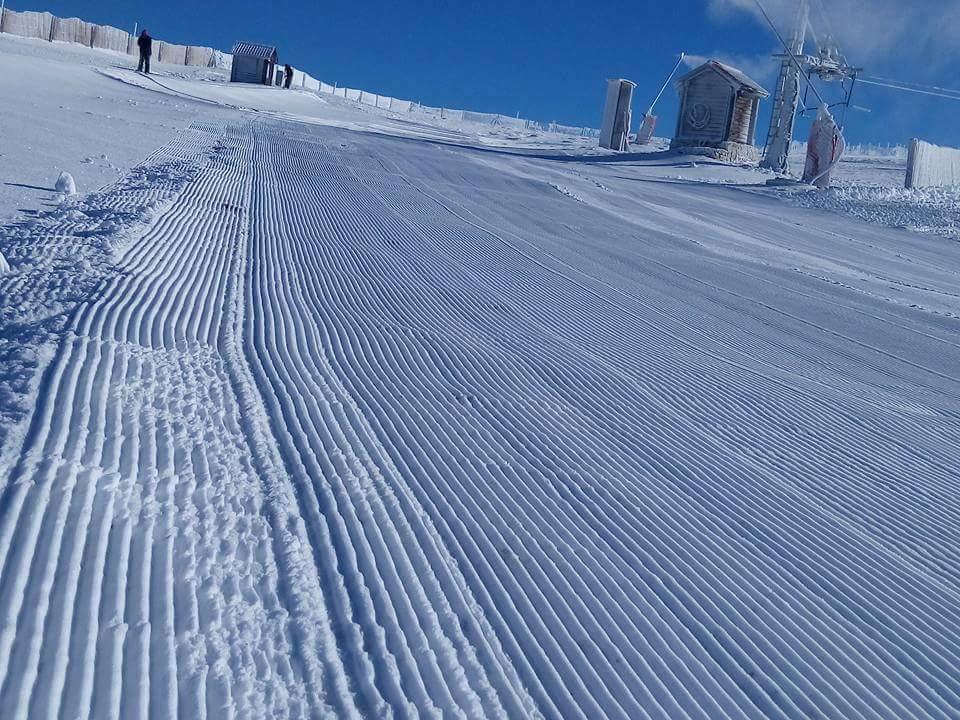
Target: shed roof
<point>737,78</point>
<point>255,50</point>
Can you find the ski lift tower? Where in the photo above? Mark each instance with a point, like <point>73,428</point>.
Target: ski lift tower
<point>787,97</point>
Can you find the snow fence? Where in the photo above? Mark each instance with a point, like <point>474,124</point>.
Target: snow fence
<point>392,104</point>
<point>199,56</point>
<point>930,165</point>
<point>72,30</point>
<point>171,54</point>
<point>44,26</point>
<point>302,80</point>
<point>109,38</point>
<point>27,24</point>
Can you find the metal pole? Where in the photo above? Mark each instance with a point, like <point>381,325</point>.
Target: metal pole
<point>666,82</point>
<point>3,8</point>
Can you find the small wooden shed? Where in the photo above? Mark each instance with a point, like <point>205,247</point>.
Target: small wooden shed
<point>719,105</point>
<point>253,63</point>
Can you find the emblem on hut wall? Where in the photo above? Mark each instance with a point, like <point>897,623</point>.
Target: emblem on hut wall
<point>698,116</point>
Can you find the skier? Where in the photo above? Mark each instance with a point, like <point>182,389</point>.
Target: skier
<point>145,43</point>
<point>287,76</point>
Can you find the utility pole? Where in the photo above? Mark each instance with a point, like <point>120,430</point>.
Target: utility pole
<point>787,98</point>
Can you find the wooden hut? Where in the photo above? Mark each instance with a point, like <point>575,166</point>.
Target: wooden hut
<point>718,112</point>
<point>253,63</point>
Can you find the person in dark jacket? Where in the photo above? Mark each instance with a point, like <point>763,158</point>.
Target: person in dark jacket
<point>145,43</point>
<point>287,76</point>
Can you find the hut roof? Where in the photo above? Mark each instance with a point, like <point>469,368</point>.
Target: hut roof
<point>255,50</point>
<point>737,78</point>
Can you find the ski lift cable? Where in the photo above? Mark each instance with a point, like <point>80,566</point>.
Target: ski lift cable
<point>786,47</point>
<point>912,90</point>
<point>919,86</point>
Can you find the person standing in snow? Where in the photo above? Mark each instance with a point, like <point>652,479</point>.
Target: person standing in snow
<point>145,43</point>
<point>287,76</point>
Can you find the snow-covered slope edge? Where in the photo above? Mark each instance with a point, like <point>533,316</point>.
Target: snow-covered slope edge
<point>59,257</point>
<point>146,555</point>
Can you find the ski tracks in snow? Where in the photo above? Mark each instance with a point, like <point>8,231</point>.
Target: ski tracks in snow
<point>321,442</point>
<point>138,573</point>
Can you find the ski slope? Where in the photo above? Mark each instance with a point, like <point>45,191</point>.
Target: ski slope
<point>309,419</point>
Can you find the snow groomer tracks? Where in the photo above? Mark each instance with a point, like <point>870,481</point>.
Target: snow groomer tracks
<point>361,427</point>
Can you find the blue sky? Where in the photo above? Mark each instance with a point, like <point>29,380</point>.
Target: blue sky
<point>548,60</point>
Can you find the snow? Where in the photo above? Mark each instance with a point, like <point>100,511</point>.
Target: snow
<point>934,210</point>
<point>312,410</point>
<point>65,184</point>
<point>87,116</point>
<point>869,185</point>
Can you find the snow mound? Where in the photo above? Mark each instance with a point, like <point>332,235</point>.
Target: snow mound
<point>65,184</point>
<point>4,265</point>
<point>931,210</point>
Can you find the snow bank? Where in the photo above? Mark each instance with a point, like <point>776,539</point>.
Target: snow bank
<point>930,165</point>
<point>928,210</point>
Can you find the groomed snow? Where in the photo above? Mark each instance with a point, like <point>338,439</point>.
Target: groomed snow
<point>317,412</point>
